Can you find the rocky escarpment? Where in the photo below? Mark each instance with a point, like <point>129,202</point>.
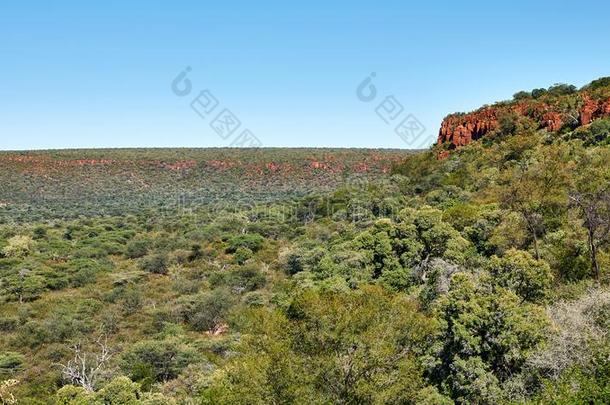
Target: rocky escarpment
<point>460,129</point>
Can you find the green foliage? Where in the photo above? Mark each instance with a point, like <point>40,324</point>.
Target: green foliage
<point>518,271</point>
<point>602,82</point>
<point>152,361</point>
<point>121,390</point>
<point>344,285</point>
<point>206,311</point>
<point>326,348</point>
<point>242,254</point>
<point>137,248</point>
<point>18,246</point>
<point>485,336</point>
<point>241,279</point>
<point>156,264</point>
<point>537,93</point>
<point>597,133</point>
<point>522,95</point>
<point>561,89</point>
<point>10,364</point>
<point>71,395</point>
<point>252,242</point>
<point>580,385</point>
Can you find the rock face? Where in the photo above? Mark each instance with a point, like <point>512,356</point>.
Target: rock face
<point>460,129</point>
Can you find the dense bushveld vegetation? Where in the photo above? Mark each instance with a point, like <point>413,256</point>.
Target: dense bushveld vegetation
<point>479,278</point>
<point>67,184</point>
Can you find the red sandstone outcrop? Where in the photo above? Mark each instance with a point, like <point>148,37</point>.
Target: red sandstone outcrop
<point>461,129</point>
<point>588,110</point>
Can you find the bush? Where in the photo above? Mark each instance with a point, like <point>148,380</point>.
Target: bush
<point>486,337</point>
<point>40,232</point>
<point>254,242</point>
<point>519,271</point>
<point>599,83</point>
<point>561,89</point>
<point>254,299</point>
<point>537,93</point>
<point>205,312</point>
<point>121,390</point>
<point>18,246</point>
<point>32,334</point>
<point>159,360</point>
<point>242,279</point>
<point>156,264</point>
<point>242,254</point>
<point>8,324</point>
<point>522,95</point>
<point>132,300</point>
<point>598,133</point>
<point>10,363</point>
<point>72,395</point>
<point>292,260</point>
<point>137,248</point>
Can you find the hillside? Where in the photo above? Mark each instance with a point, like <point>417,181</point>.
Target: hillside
<point>560,109</point>
<point>314,276</point>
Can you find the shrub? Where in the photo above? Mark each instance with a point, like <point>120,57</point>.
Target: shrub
<point>132,300</point>
<point>254,242</point>
<point>120,390</point>
<point>156,264</point>
<point>519,271</point>
<point>522,95</point>
<point>161,360</point>
<point>537,93</point>
<point>242,254</point>
<point>10,363</point>
<point>292,260</point>
<point>18,246</point>
<point>40,232</point>
<point>486,336</point>
<point>137,248</point>
<point>598,133</point>
<point>598,83</point>
<point>254,299</point>
<point>580,325</point>
<point>242,279</point>
<point>185,285</point>
<point>72,395</point>
<point>561,89</point>
<point>32,334</point>
<point>8,324</point>
<point>205,312</point>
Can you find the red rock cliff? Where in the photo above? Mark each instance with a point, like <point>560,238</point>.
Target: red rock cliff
<point>460,129</point>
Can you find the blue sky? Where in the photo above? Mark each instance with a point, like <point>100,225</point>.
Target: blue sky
<point>84,74</point>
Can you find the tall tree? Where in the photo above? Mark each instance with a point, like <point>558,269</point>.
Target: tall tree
<point>590,195</point>
<point>536,188</point>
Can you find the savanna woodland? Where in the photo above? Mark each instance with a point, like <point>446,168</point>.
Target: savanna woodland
<point>473,272</point>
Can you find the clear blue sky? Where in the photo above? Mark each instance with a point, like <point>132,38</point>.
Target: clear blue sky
<point>98,74</point>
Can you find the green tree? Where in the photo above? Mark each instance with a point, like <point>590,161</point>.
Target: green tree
<point>162,360</point>
<point>348,348</point>
<point>590,195</point>
<point>520,272</point>
<point>537,188</point>
<point>207,311</point>
<point>485,336</point>
<point>18,246</point>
